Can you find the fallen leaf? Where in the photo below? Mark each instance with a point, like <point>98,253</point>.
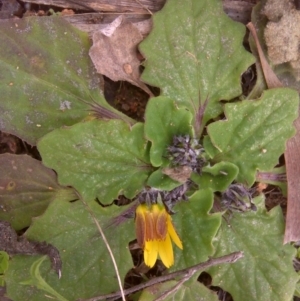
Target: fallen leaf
<point>270,76</point>
<point>114,52</point>
<point>178,173</point>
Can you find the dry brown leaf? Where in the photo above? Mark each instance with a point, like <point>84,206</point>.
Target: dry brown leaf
<point>270,76</point>
<point>114,52</point>
<point>180,173</point>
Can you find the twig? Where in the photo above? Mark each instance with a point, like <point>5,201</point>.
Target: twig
<point>188,272</point>
<point>121,292</point>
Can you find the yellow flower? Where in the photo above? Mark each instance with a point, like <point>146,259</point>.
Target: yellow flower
<point>154,231</point>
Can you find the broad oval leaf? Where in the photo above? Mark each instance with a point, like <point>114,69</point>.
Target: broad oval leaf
<point>99,158</point>
<point>87,269</point>
<point>266,270</point>
<point>255,132</point>
<point>47,78</point>
<point>26,189</point>
<point>193,53</point>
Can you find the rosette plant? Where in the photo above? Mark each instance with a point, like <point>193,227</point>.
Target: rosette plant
<point>201,144</point>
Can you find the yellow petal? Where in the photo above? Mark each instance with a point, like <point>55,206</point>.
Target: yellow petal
<point>165,251</point>
<point>173,234</point>
<point>155,208</point>
<point>150,252</point>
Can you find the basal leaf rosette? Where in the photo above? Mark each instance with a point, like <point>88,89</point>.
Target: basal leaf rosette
<point>254,134</point>
<point>87,269</point>
<point>101,159</point>
<point>266,272</point>
<point>195,53</point>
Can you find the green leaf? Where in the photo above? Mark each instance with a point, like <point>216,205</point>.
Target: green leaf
<point>193,53</point>
<point>210,150</point>
<point>254,134</point>
<point>276,177</point>
<point>87,269</point>
<point>38,281</point>
<point>47,78</point>
<point>27,188</point>
<point>99,158</point>
<point>297,291</point>
<point>217,177</point>
<point>161,181</point>
<point>164,120</point>
<point>197,229</point>
<point>4,259</point>
<point>266,270</point>
<point>187,291</point>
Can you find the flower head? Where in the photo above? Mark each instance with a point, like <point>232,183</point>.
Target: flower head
<point>238,198</point>
<point>186,151</point>
<point>155,232</point>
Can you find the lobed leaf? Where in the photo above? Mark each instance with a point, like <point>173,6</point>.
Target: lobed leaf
<point>27,187</point>
<point>266,272</point>
<point>193,53</point>
<point>47,79</point>
<point>217,177</point>
<point>255,132</point>
<point>87,267</point>
<point>161,181</point>
<point>101,159</point>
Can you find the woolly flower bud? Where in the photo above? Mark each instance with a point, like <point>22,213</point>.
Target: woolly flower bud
<point>186,151</point>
